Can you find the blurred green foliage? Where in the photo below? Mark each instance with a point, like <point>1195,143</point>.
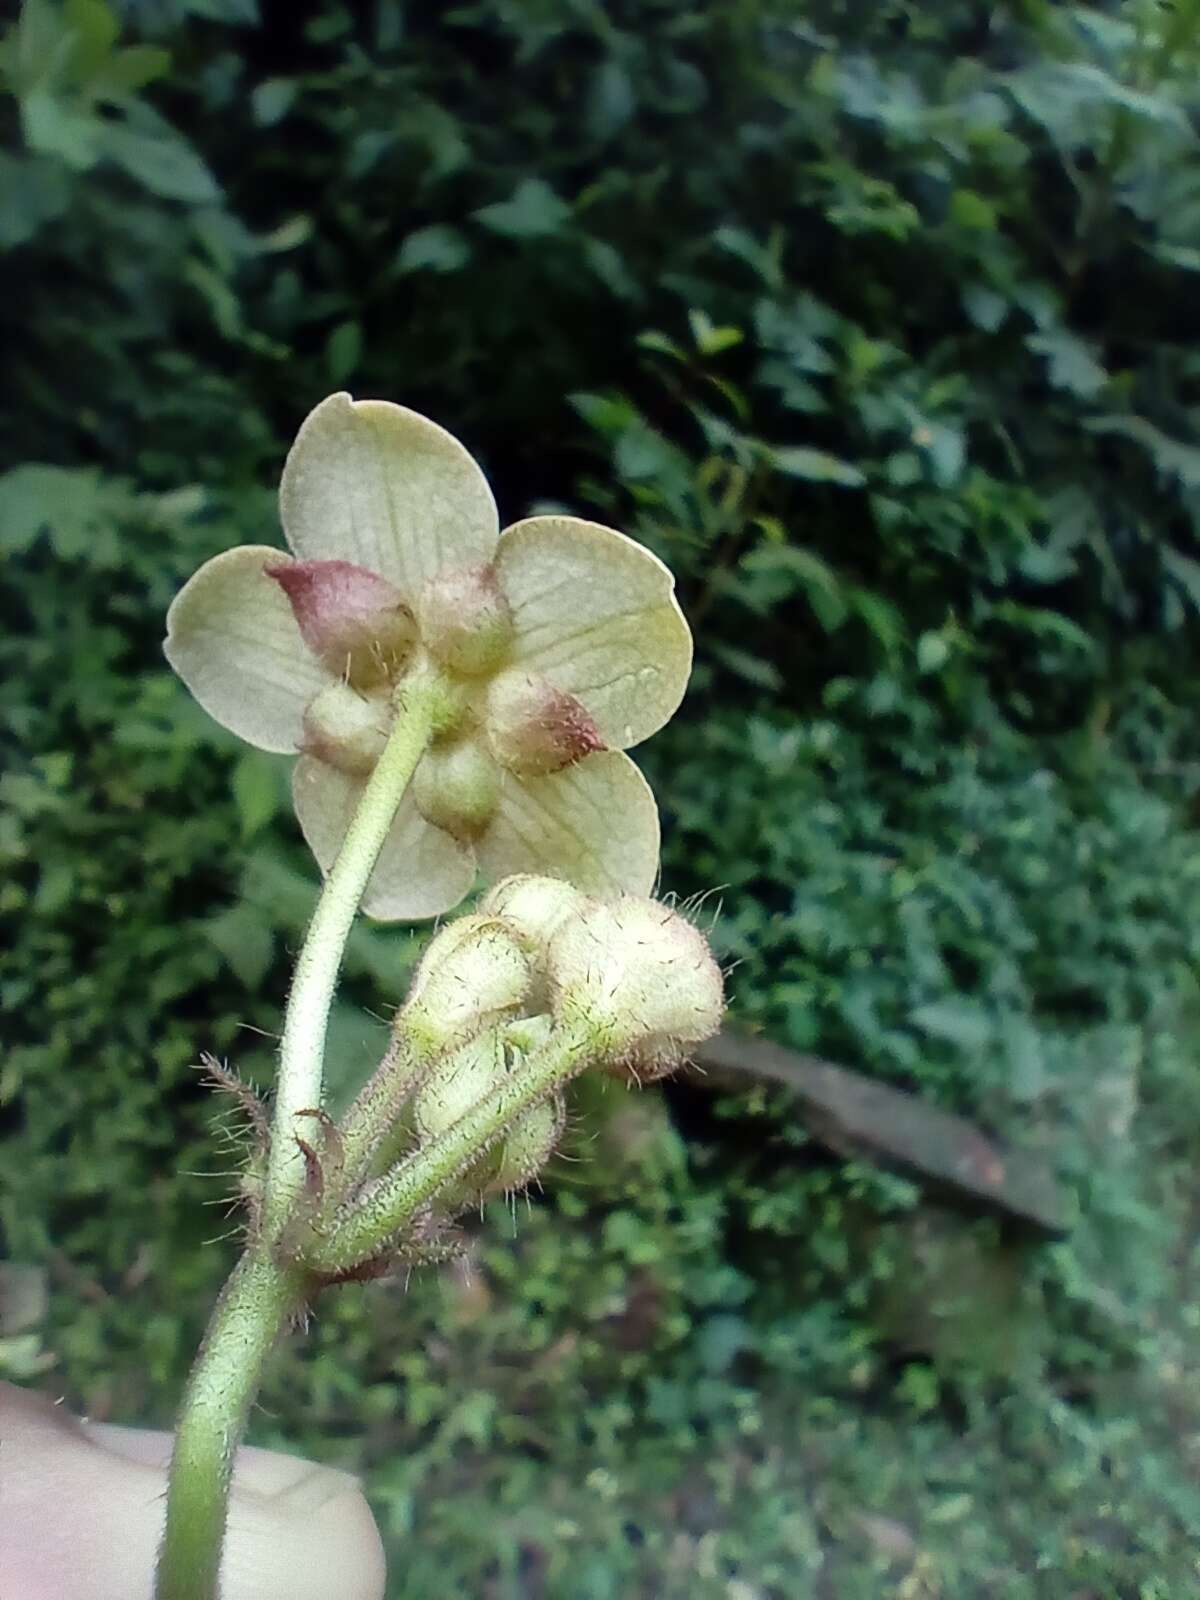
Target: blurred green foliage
<point>879,323</point>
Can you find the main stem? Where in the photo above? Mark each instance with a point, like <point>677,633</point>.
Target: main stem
<point>254,1305</point>
<point>302,1049</point>
<point>263,1292</point>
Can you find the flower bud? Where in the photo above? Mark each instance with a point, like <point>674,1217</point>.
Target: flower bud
<point>524,1035</point>
<point>457,787</point>
<point>460,1082</point>
<point>646,1062</point>
<point>533,906</point>
<point>346,731</point>
<point>465,621</point>
<point>640,976</point>
<point>353,621</point>
<point>527,1146</point>
<point>534,728</point>
<point>472,975</point>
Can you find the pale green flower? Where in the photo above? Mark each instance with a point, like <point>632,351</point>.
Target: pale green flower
<point>562,640</point>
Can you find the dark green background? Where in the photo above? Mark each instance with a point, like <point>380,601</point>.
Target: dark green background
<point>881,324</point>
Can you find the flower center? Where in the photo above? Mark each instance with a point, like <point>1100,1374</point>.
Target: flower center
<point>465,621</point>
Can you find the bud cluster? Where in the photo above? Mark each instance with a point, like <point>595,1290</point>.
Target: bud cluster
<point>507,1005</point>
<point>630,978</point>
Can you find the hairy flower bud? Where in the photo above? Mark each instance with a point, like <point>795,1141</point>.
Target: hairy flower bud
<point>465,621</point>
<point>457,787</point>
<point>524,1035</point>
<point>473,974</point>
<point>352,620</point>
<point>527,1146</point>
<point>535,728</point>
<point>640,977</point>
<point>460,1082</point>
<point>344,730</point>
<point>533,906</point>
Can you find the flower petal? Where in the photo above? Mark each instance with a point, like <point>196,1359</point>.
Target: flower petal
<point>232,638</point>
<point>376,484</point>
<point>594,824</point>
<point>421,870</point>
<point>595,613</point>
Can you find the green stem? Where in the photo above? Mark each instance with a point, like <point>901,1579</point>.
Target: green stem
<point>302,1050</point>
<point>254,1306</point>
<point>263,1293</point>
<point>377,1107</point>
<point>390,1203</point>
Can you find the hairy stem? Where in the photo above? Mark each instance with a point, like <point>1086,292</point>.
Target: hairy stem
<point>264,1291</point>
<point>378,1105</point>
<point>254,1306</point>
<point>382,1212</point>
<point>302,1050</point>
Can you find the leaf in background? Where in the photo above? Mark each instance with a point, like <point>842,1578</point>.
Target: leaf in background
<point>130,70</point>
<point>1185,571</point>
<point>151,152</point>
<point>33,192</point>
<point>986,309</point>
<point>642,452</point>
<point>659,343</point>
<point>53,127</point>
<point>711,340</point>
<point>881,617</point>
<point>763,260</point>
<point>607,264</point>
<point>799,461</point>
<point>245,12</point>
<point>1047,625</point>
<point>753,669</point>
<point>957,1020</point>
<point>273,99</point>
<point>355,1043</point>
<point>1074,101</point>
<point>933,652</point>
<point>245,941</point>
<point>792,567</point>
<point>606,414</point>
<point>1172,458</point>
<point>343,351</point>
<point>533,212</point>
<point>68,503</point>
<point>611,101</point>
<point>1070,363</point>
<point>256,792</point>
<point>945,449</point>
<point>1021,1045</point>
<point>438,248</point>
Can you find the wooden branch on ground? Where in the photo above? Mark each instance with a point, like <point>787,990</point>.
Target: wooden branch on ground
<point>858,1117</point>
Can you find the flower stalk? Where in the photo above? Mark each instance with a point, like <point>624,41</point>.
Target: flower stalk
<point>302,1050</point>
<point>377,1216</point>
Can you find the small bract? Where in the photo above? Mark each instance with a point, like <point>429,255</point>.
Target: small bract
<point>561,638</point>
